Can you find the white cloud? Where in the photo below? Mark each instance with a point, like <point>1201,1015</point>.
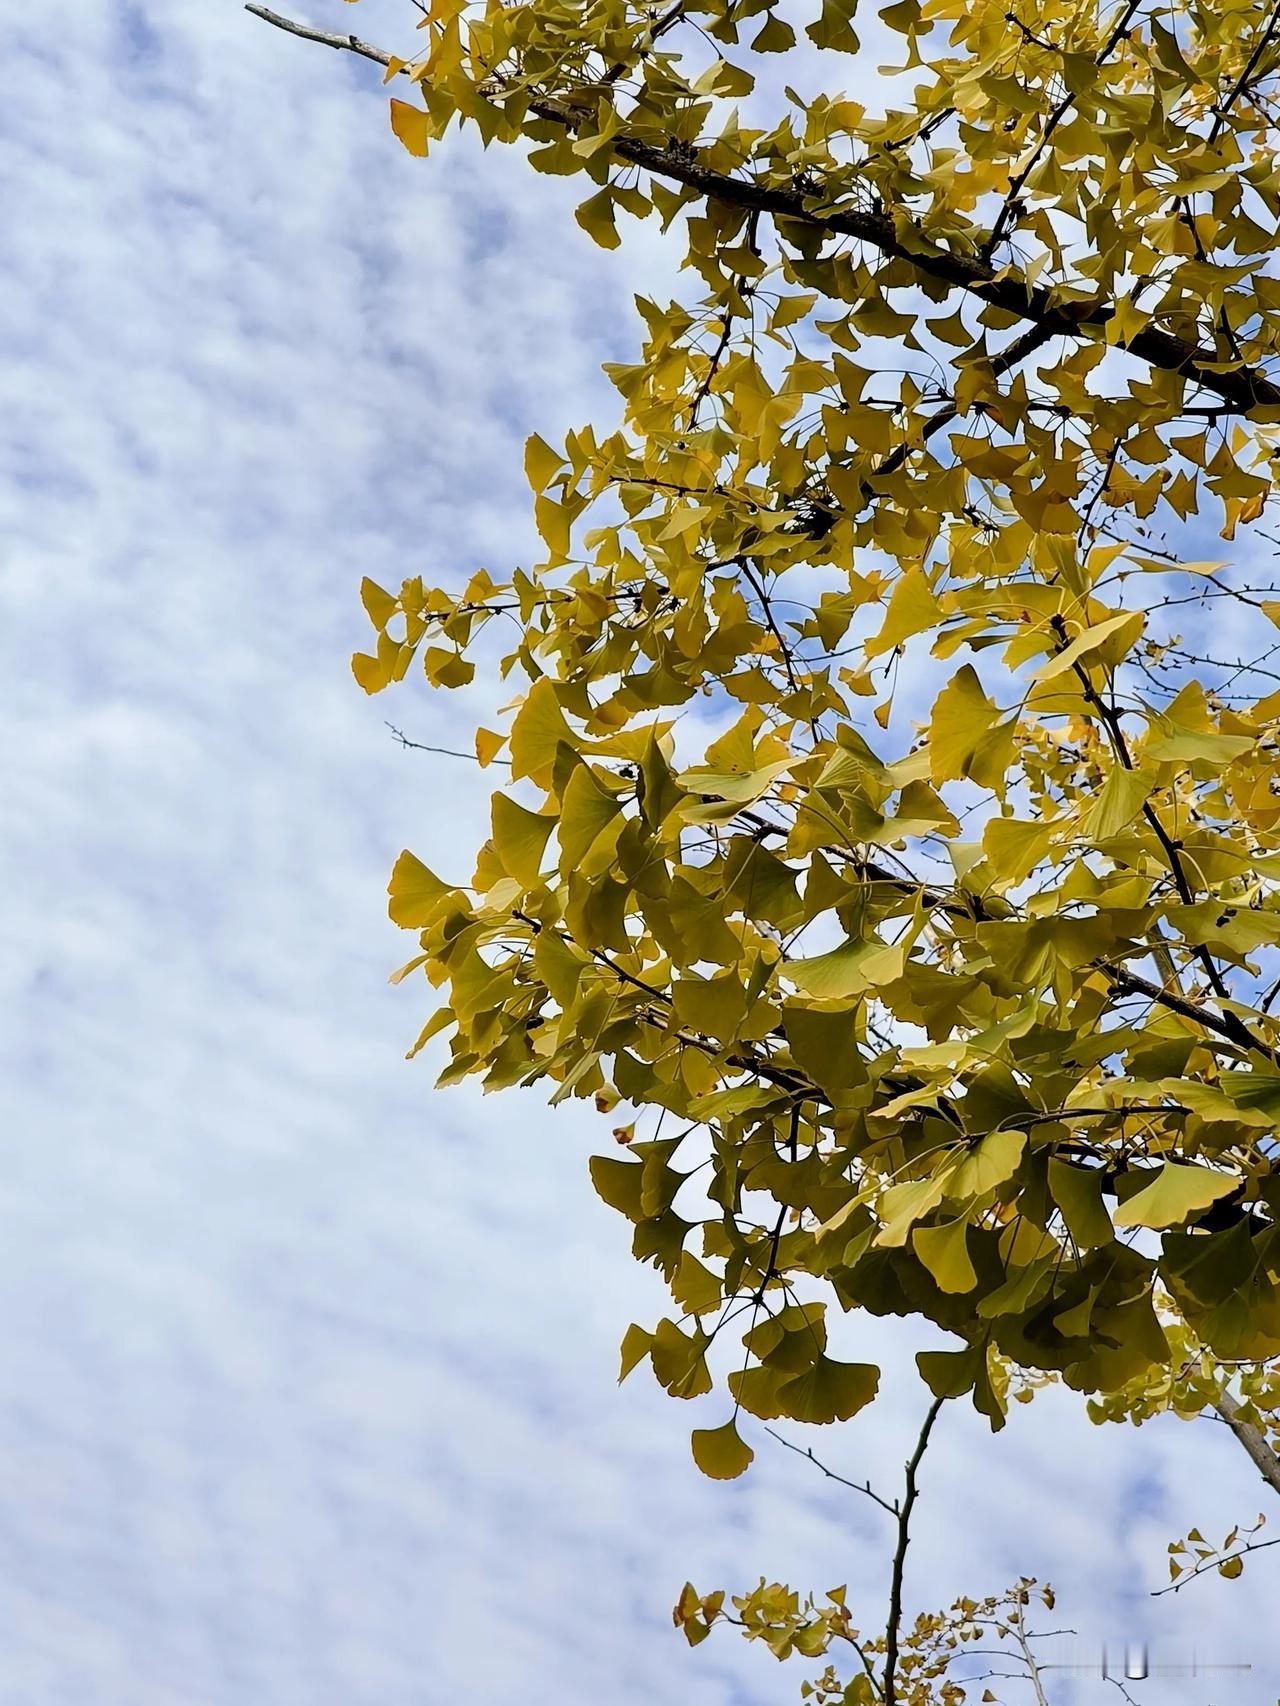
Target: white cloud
<point>307,1386</point>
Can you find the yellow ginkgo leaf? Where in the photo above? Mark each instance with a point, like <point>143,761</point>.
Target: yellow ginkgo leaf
<point>413,126</point>
<point>721,1453</point>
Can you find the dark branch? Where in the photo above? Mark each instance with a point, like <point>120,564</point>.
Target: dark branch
<point>889,1686</point>
<point>863,1487</point>
<point>1244,388</point>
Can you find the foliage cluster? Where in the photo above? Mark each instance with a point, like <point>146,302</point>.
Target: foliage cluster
<point>873,834</point>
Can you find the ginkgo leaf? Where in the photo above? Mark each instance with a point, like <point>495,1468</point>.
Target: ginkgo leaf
<point>1014,847</point>
<point>950,1374</point>
<point>775,37</point>
<point>1119,801</point>
<point>991,1163</point>
<point>695,1288</point>
<point>721,1453</point>
<point>830,1391</point>
<point>1197,746</point>
<point>537,732</point>
<point>944,1252</point>
<point>1124,623</point>
<point>379,605</point>
<point>488,745</point>
<point>596,217</point>
<point>660,794</point>
<point>848,970</point>
<point>1026,1283</point>
<point>555,524</point>
<point>757,1391</point>
<point>446,668</point>
<point>967,737</point>
<point>790,1341</point>
<point>833,975</point>
<point>1078,1194</point>
<point>913,608</point>
<point>714,1006</point>
<point>1176,1193</point>
<point>587,811</point>
<point>833,26</point>
<point>679,1360</point>
<point>824,1042</point>
<point>541,463</point>
<point>637,1342</point>
<point>413,126</point>
<point>415,893</point>
<point>372,673</point>
<point>903,1204</point>
<point>619,1183</point>
<point>740,789</point>
<point>792,308</point>
<point>520,837</point>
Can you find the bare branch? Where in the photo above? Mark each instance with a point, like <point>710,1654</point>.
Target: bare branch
<point>1253,1440</point>
<point>1019,1628</point>
<point>863,1487</point>
<point>326,38</point>
<point>444,751</point>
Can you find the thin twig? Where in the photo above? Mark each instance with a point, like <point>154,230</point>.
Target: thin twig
<point>1214,1563</point>
<point>863,1487</point>
<point>1225,105</point>
<point>1059,112</point>
<point>1011,356</point>
<point>445,751</point>
<point>668,21</point>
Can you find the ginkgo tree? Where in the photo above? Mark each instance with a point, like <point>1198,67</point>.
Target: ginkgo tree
<point>890,812</point>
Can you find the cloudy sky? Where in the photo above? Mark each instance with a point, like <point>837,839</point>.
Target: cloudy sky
<point>306,1373</point>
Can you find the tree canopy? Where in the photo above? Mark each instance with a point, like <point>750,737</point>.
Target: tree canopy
<point>890,830</point>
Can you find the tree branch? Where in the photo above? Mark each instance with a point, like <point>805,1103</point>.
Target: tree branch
<point>1215,1563</point>
<point>1229,1024</point>
<point>326,38</point>
<point>1010,357</point>
<point>1019,1627</point>
<point>1253,1440</point>
<point>863,1487</point>
<point>1244,388</point>
<point>444,751</point>
<point>1059,112</point>
<point>890,1683</point>
<point>1260,46</point>
<point>1226,1026</point>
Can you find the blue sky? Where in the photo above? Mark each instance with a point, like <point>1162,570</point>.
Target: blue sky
<point>307,1374</point>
